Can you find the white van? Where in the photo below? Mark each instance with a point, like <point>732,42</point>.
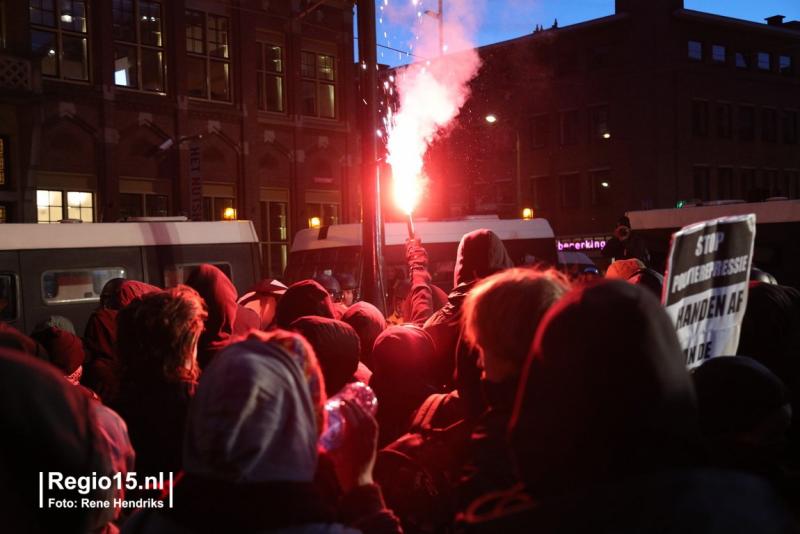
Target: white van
<point>60,269</point>
<point>777,246</point>
<point>337,248</point>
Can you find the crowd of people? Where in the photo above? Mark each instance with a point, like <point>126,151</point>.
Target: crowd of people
<point>522,401</point>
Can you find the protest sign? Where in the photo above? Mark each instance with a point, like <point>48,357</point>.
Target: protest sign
<point>705,287</point>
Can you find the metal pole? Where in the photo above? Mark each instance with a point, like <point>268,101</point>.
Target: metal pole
<point>371,222</point>
<point>441,29</point>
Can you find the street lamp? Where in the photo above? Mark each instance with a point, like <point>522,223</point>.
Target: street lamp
<point>439,16</point>
<point>491,118</point>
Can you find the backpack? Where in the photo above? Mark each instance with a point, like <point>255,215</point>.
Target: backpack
<point>419,471</point>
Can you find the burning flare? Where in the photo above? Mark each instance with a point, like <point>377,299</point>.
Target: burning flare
<point>431,94</point>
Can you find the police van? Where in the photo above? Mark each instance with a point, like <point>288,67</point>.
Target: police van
<point>60,269</point>
<point>336,249</point>
<point>777,245</point>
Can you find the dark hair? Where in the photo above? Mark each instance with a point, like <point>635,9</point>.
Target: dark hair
<point>157,334</point>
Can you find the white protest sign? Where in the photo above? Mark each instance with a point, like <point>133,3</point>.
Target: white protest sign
<point>705,287</point>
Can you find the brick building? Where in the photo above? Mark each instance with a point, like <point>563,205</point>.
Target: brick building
<point>641,109</point>
<point>115,108</point>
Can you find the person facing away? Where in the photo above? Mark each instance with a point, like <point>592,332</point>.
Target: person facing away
<point>500,316</point>
<point>303,298</point>
<point>480,254</point>
<point>219,295</point>
<point>605,432</point>
<point>250,454</point>
<point>368,322</point>
<point>158,337</point>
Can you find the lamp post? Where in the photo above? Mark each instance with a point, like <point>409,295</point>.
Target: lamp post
<point>439,16</point>
<point>371,221</point>
<point>492,119</point>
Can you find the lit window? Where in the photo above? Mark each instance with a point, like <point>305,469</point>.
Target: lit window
<point>3,214</point>
<point>718,53</point>
<point>50,206</point>
<point>59,38</point>
<point>318,86</point>
<point>214,207</point>
<point>764,61</point>
<point>138,45</point>
<point>209,61</point>
<point>275,236</point>
<point>270,77</point>
<point>695,50</point>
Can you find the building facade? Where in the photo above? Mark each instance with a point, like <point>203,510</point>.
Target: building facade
<point>653,105</point>
<point>205,108</point>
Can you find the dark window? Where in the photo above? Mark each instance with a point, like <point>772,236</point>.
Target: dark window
<point>718,54</point>
<point>747,184</point>
<point>700,118</point>
<point>792,181</point>
<point>764,61</point>
<point>318,87</point>
<point>601,187</point>
<point>138,45</point>
<point>724,120</point>
<point>746,123</point>
<point>569,127</point>
<point>540,131</point>
<point>769,125</point>
<point>598,124</point>
<point>571,190</point>
<point>322,214</point>
<point>60,38</point>
<point>8,297</point>
<point>599,57</point>
<point>214,208</point>
<point>770,184</point>
<point>546,193</point>
<point>725,183</point>
<point>4,157</point>
<point>209,56</point>
<point>785,65</point>
<point>742,60</point>
<point>701,183</point>
<point>270,77</point>
<point>789,126</point>
<point>695,50</point>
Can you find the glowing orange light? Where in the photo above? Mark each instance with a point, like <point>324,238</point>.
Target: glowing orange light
<point>527,213</point>
<point>314,222</point>
<point>491,118</point>
<point>229,214</point>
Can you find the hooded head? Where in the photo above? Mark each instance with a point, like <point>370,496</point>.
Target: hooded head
<point>744,411</point>
<point>50,427</point>
<point>480,253</point>
<point>368,322</point>
<point>219,294</point>
<point>12,338</point>
<point>256,414</point>
<point>65,350</point>
<point>771,331</point>
<point>402,376</point>
<point>305,297</point>
<point>337,348</point>
<point>605,393</point>
<point>130,290</point>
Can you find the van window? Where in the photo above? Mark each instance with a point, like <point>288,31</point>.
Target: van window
<point>178,274</point>
<point>77,285</point>
<point>8,297</point>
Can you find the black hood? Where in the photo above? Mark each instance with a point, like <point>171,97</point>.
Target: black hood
<point>480,253</point>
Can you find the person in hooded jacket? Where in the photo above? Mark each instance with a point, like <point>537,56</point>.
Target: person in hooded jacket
<point>102,368</point>
<point>402,377</point>
<point>605,432</point>
<point>337,348</point>
<point>250,454</point>
<point>303,298</point>
<point>368,322</point>
<point>501,315</point>
<point>158,337</point>
<point>219,295</point>
<point>480,254</point>
<point>50,427</point>
<point>66,353</point>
